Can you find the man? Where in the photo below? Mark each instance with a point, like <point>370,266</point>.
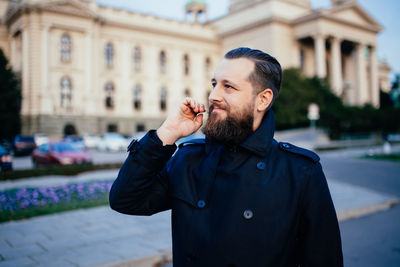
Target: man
<point>238,198</point>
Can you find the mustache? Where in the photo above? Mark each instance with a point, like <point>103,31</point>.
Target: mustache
<point>214,105</point>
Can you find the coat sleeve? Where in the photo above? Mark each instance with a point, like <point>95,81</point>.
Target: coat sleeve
<point>320,241</point>
<point>141,187</point>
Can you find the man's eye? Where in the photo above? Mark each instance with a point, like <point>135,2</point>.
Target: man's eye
<point>228,86</point>
<point>213,84</point>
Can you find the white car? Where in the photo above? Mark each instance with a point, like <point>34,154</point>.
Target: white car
<point>91,140</point>
<point>41,139</point>
<point>112,142</point>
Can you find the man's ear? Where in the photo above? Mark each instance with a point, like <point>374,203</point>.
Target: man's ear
<point>264,99</point>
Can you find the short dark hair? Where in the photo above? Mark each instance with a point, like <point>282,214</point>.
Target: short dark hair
<point>267,70</point>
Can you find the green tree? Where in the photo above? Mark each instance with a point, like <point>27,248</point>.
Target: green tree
<point>297,93</point>
<point>10,100</point>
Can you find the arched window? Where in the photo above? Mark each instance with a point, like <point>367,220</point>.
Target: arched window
<point>65,48</point>
<point>302,57</point>
<point>137,97</point>
<point>137,58</point>
<point>163,62</point>
<point>207,66</point>
<point>187,92</point>
<point>186,64</point>
<point>109,55</point>
<point>66,92</point>
<point>109,95</point>
<point>163,99</point>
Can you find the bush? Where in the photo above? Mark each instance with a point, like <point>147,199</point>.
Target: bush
<point>298,92</point>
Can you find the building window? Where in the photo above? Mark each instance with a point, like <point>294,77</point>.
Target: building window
<point>163,62</point>
<point>65,52</point>
<point>187,92</point>
<point>186,64</point>
<point>137,58</point>
<point>66,92</point>
<point>140,127</point>
<point>112,128</point>
<point>109,55</point>
<point>163,99</point>
<point>207,66</point>
<point>137,97</point>
<point>109,95</point>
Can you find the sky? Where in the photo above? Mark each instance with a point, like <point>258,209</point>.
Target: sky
<point>386,12</point>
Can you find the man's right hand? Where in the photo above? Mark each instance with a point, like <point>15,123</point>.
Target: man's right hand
<point>184,121</point>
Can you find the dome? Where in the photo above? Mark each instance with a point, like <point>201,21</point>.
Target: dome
<point>198,2</point>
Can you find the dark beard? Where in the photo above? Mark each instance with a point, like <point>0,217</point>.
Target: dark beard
<point>231,130</point>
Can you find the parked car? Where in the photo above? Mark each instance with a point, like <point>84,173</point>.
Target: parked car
<point>91,140</point>
<point>59,153</point>
<point>40,139</point>
<point>76,140</point>
<point>112,142</point>
<point>5,159</point>
<point>23,145</point>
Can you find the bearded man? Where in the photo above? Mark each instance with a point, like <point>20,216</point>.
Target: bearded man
<point>238,197</point>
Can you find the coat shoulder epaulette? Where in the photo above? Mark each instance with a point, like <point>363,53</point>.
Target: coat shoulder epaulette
<point>197,141</point>
<point>299,151</point>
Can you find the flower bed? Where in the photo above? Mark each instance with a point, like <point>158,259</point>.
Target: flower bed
<point>28,202</point>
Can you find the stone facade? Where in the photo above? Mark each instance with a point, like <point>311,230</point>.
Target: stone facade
<point>102,69</point>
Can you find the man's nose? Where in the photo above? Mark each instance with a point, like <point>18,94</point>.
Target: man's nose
<point>215,95</point>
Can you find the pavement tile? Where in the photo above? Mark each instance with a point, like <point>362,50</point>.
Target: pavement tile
<point>58,263</point>
<point>33,238</point>
<point>24,261</point>
<point>95,255</point>
<point>14,253</point>
<point>129,248</point>
<point>7,233</point>
<point>56,258</point>
<point>62,243</point>
<point>4,244</point>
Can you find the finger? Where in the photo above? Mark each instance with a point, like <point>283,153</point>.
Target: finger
<point>202,108</point>
<point>198,120</point>
<point>194,106</point>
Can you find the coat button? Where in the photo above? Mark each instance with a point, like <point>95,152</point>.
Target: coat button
<point>261,165</point>
<point>285,145</point>
<point>248,214</point>
<point>201,203</point>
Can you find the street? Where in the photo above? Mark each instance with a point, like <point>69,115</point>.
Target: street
<point>372,240</point>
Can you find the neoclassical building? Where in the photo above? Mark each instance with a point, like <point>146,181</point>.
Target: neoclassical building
<point>91,69</point>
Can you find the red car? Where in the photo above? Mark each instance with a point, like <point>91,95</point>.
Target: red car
<point>59,153</point>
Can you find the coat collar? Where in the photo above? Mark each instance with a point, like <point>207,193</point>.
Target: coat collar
<point>259,142</point>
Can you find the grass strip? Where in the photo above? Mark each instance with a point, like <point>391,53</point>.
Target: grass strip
<point>391,157</point>
<point>56,170</point>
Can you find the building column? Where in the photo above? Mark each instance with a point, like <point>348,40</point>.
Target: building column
<point>45,102</point>
<point>336,67</point>
<point>320,56</point>
<point>374,77</point>
<point>26,91</point>
<point>89,108</point>
<point>361,95</point>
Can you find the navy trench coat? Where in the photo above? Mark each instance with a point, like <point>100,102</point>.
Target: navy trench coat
<point>261,203</point>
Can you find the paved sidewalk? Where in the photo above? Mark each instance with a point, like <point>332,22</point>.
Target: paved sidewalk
<point>102,237</point>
